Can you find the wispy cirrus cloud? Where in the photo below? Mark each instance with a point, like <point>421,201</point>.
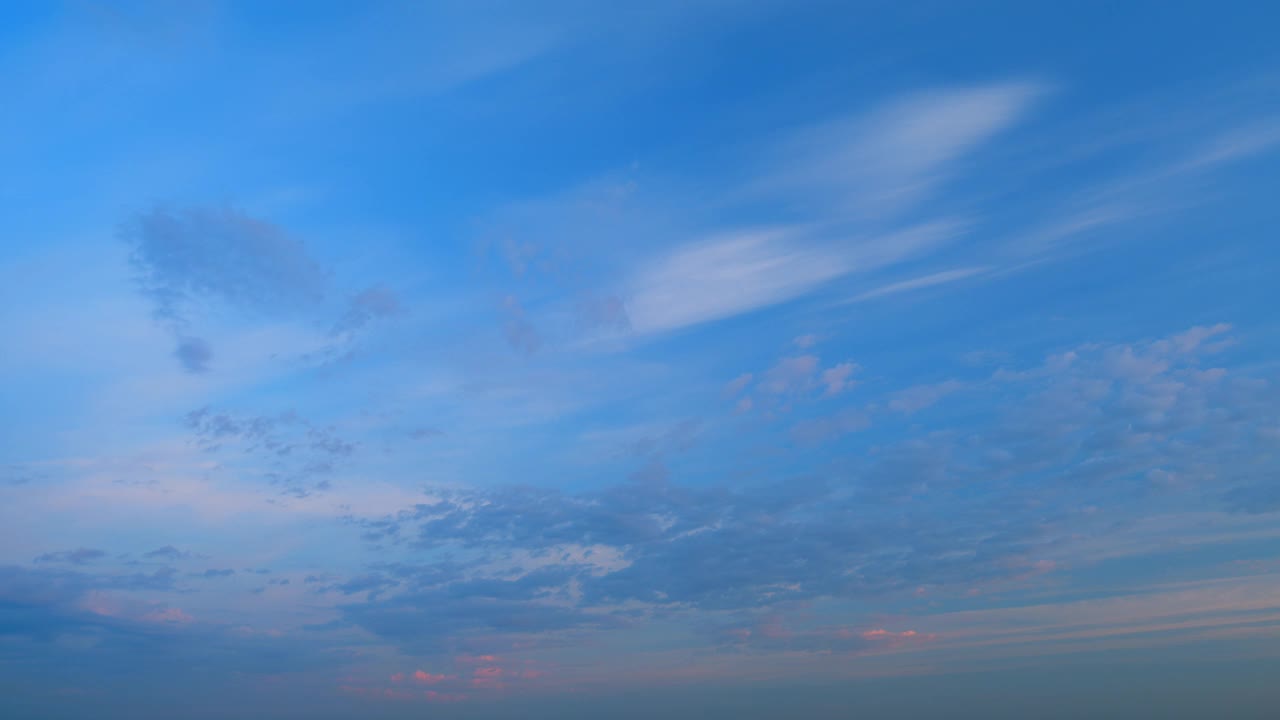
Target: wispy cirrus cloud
<point>881,162</point>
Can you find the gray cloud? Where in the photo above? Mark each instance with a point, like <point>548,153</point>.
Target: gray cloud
<point>192,255</point>
<point>189,260</point>
<point>169,552</point>
<point>79,556</point>
<point>193,354</point>
<point>985,503</point>
<point>298,454</point>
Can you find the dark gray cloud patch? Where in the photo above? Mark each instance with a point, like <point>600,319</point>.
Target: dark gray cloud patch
<point>189,261</point>
<point>192,255</point>
<point>194,354</point>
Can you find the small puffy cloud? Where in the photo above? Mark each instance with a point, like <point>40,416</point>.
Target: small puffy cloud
<point>425,678</point>
<point>194,354</point>
<point>790,375</point>
<point>836,379</point>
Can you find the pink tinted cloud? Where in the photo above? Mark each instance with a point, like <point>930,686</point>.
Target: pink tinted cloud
<point>887,638</point>
<point>398,677</point>
<point>426,678</point>
<point>172,616</point>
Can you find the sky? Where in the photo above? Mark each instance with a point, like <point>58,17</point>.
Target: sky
<point>668,359</point>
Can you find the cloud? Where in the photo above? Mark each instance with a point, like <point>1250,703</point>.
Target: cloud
<point>167,615</point>
<point>192,255</point>
<point>193,354</point>
<point>878,161</point>
<point>736,385</point>
<point>881,162</point>
<point>169,552</point>
<point>791,379</point>
<point>607,311</point>
<point>726,275</point>
<point>836,379</point>
<point>773,634</point>
<point>925,281</point>
<point>19,475</point>
<point>290,451</point>
<point>193,261</point>
<point>79,556</point>
<point>790,375</point>
<point>1081,426</point>
<point>426,678</point>
<point>371,304</point>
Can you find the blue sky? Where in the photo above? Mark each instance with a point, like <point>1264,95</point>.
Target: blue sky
<point>700,359</point>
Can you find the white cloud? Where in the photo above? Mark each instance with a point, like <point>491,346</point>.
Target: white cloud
<point>883,161</point>
<point>791,374</point>
<point>727,275</point>
<point>836,379</point>
<point>731,274</point>
<point>938,278</point>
